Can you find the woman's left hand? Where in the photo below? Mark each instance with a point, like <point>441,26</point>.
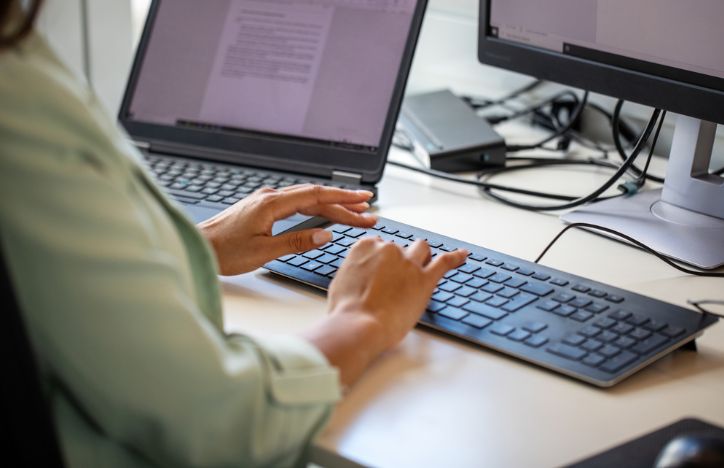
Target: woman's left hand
<point>242,234</point>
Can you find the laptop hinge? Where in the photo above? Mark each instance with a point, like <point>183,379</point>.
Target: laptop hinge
<point>142,145</point>
<point>346,177</point>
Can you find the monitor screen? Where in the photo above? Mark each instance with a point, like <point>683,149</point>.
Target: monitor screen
<point>321,70</point>
<point>680,40</point>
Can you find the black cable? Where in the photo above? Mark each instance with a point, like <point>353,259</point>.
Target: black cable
<point>705,312</point>
<point>633,241</point>
<point>484,185</point>
<point>644,174</point>
<point>593,196</point>
<point>616,123</point>
<point>494,120</point>
<point>478,105</point>
<point>562,131</point>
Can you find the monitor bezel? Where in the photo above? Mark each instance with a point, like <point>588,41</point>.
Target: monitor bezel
<point>682,97</point>
<point>267,150</point>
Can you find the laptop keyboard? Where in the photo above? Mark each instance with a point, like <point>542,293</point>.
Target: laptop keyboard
<point>568,324</point>
<point>194,182</point>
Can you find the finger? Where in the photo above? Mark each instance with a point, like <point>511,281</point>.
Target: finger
<point>288,202</point>
<point>341,215</point>
<point>418,253</point>
<point>365,245</point>
<point>296,242</point>
<point>358,208</point>
<point>437,268</point>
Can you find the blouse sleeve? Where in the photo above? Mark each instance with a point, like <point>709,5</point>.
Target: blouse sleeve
<point>116,324</point>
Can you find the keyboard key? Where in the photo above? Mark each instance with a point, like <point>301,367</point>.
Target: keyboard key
<point>515,282</point>
<point>597,308</point>
<point>581,302</point>
<point>620,315</point>
<point>541,276</point>
<point>535,327</point>
<point>450,286</point>
<point>548,305</point>
<point>496,301</point>
<point>485,311</point>
<point>465,291</point>
<point>507,292</point>
<point>435,306</point>
<point>457,301</point>
<point>433,243</point>
<point>605,322</point>
<point>539,289</point>
<point>614,299</point>
<point>461,278</point>
<point>337,263</point>
<point>286,258</point>
<point>650,344</point>
<point>509,267</point>
<point>640,334</point>
<point>340,229</point>
<point>597,293</point>
<point>637,320</point>
<point>311,266</point>
<point>609,351</point>
<point>622,328</point>
<point>453,313</point>
<point>495,263</point>
<point>519,301</point>
<point>564,310</point>
<point>559,282</point>
<point>655,325</point>
<point>499,278</point>
<point>477,257</point>
<point>568,352</point>
<point>297,261</point>
<point>469,268</point>
<point>334,249</point>
<point>345,241</point>
<point>592,345</point>
<point>492,288</point>
<point>574,339</point>
<point>484,273</point>
<point>607,336</point>
<point>355,232</point>
<point>625,342</point>
<point>501,329</point>
<point>476,321</point>
<point>563,297</point>
<point>327,258</point>
<point>619,362</point>
<point>442,296</point>
<point>525,271</point>
<point>590,331</point>
<point>326,270</point>
<point>536,341</point>
<point>581,316</point>
<point>481,296</point>
<point>519,335</point>
<point>673,332</point>
<point>447,248</point>
<point>476,283</point>
<point>403,235</point>
<point>594,360</point>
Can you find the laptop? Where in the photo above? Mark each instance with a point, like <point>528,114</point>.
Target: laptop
<point>227,96</point>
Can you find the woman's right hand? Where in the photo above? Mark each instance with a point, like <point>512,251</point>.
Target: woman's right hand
<point>376,298</point>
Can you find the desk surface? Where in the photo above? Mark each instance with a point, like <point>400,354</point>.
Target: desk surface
<point>435,401</point>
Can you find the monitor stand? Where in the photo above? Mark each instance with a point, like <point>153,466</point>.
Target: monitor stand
<point>685,220</point>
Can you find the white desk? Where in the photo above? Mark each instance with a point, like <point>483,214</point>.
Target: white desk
<point>437,402</point>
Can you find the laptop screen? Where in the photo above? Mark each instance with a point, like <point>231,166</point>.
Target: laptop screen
<point>321,70</point>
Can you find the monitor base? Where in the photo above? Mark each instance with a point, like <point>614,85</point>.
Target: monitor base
<point>679,234</point>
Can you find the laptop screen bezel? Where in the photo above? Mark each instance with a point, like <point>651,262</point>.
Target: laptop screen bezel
<point>267,150</point>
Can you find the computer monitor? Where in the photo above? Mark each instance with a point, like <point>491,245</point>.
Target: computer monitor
<point>661,53</point>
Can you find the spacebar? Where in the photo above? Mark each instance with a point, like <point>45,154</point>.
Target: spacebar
<point>183,193</point>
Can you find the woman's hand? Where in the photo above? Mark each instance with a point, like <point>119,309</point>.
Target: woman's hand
<point>376,298</point>
<point>242,235</point>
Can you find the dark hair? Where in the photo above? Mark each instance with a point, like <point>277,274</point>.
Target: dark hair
<point>22,29</point>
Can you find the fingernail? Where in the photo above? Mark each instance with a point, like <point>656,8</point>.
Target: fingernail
<point>321,237</point>
<point>366,192</point>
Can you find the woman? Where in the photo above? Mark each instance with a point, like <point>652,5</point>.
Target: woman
<point>119,290</point>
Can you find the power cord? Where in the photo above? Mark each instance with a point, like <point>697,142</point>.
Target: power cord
<point>616,123</point>
<point>704,312</point>
<point>630,239</point>
<point>479,104</point>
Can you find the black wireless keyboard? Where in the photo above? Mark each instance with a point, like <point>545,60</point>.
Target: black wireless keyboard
<point>572,325</point>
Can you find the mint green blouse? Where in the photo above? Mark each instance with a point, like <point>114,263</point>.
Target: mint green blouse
<point>120,295</point>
